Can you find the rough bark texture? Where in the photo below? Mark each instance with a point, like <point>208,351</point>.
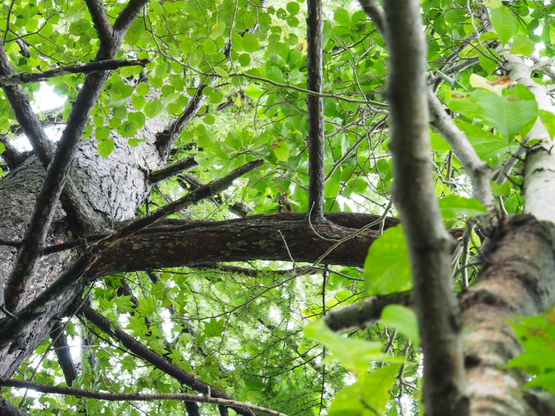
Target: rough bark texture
<point>114,186</point>
<point>518,278</point>
<point>317,171</point>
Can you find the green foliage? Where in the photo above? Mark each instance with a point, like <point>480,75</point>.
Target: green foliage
<point>242,330</point>
<point>387,266</point>
<point>537,337</point>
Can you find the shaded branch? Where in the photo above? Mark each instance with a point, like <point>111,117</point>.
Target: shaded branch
<point>316,146</point>
<point>101,22</point>
<point>172,170</point>
<point>157,360</point>
<point>63,353</point>
<point>26,77</point>
<point>239,208</point>
<point>363,314</point>
<point>11,155</point>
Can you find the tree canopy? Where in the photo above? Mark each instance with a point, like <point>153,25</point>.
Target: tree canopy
<point>283,208</point>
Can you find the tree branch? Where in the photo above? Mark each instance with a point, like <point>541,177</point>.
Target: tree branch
<point>172,170</point>
<point>100,395</point>
<point>478,170</point>
<point>101,22</point>
<point>63,353</point>
<point>157,360</point>
<point>11,325</point>
<point>58,170</point>
<point>363,314</point>
<point>316,147</point>
<point>86,68</point>
<point>414,195</point>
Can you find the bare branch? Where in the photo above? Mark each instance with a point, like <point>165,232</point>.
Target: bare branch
<point>414,196</point>
<point>100,395</point>
<point>316,147</point>
<point>478,170</point>
<point>100,19</point>
<point>360,315</point>
<point>26,77</point>
<point>172,170</point>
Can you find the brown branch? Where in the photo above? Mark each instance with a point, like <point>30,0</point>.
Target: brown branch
<point>59,168</point>
<point>157,360</point>
<point>101,22</point>
<point>316,146</point>
<point>172,170</point>
<point>10,326</point>
<point>363,314</point>
<point>26,77</point>
<point>63,353</point>
<point>414,196</point>
<point>100,395</point>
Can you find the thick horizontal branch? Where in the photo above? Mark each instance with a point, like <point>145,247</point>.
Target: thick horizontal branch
<point>100,395</point>
<point>106,65</point>
<point>284,237</point>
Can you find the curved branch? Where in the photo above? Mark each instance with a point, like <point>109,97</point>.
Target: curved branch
<point>100,395</point>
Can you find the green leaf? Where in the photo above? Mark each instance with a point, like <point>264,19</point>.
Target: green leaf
<point>548,120</point>
<point>387,265</point>
<point>153,108</point>
<point>293,7</point>
<point>135,142</point>
<point>512,114</point>
<point>491,148</point>
<point>128,129</point>
<point>402,318</point>
<point>453,206</point>
<point>102,133</point>
<point>493,4</point>
<point>371,389</point>
<point>106,147</point>
<point>354,354</point>
<point>342,17</point>
<point>2,148</point>
<point>254,91</point>
<point>250,43</point>
<point>523,45</point>
<point>505,23</point>
<point>281,150</point>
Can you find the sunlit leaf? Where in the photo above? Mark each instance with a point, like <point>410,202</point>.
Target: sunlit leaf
<point>453,206</point>
<point>505,23</point>
<point>402,318</point>
<point>106,147</point>
<point>368,396</point>
<point>387,265</point>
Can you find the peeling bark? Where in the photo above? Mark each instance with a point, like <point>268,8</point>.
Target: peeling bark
<point>518,278</point>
